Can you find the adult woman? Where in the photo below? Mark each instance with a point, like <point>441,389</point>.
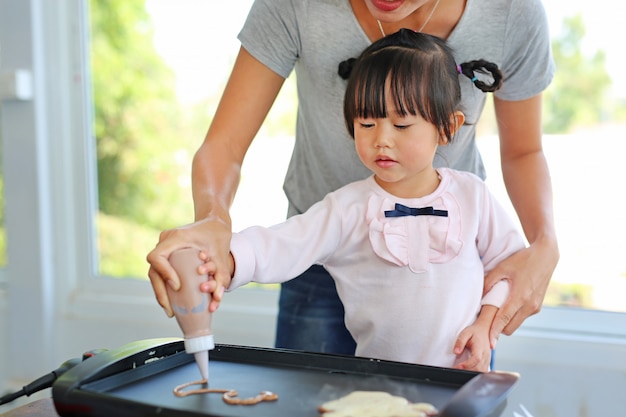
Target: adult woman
<point>314,36</point>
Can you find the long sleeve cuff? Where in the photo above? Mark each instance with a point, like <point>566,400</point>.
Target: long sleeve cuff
<point>244,257</point>
<point>497,295</point>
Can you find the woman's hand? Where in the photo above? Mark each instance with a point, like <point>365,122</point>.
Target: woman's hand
<point>528,271</point>
<point>212,236</point>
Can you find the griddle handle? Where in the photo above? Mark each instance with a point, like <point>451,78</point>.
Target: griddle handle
<point>481,396</point>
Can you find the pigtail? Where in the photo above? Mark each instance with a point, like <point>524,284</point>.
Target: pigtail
<point>345,68</point>
<point>484,67</point>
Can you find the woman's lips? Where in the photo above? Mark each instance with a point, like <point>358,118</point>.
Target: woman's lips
<point>387,6</point>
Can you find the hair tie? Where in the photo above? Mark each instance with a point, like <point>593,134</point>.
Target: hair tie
<point>474,79</point>
<point>459,69</point>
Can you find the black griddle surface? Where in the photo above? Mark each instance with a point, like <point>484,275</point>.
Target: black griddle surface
<point>303,381</point>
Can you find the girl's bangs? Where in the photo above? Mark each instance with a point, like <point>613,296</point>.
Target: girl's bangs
<point>385,75</point>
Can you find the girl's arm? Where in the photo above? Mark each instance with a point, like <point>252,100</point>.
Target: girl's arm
<point>527,179</point>
<point>247,98</point>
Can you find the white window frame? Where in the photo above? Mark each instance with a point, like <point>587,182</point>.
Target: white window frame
<point>50,173</point>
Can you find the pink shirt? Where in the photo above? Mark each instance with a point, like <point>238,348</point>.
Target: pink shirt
<point>409,284</point>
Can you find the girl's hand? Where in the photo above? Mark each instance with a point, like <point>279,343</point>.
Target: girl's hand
<point>474,338</point>
<point>215,287</point>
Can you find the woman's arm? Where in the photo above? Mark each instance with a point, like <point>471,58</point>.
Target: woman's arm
<point>247,98</point>
<point>527,179</point>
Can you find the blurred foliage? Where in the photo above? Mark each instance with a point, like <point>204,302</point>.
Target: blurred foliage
<point>123,246</point>
<point>569,295</point>
<point>144,149</point>
<point>577,96</point>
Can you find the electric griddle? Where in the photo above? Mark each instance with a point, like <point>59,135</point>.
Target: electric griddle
<point>138,380</point>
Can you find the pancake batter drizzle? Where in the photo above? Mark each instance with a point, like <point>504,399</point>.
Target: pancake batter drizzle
<point>228,395</point>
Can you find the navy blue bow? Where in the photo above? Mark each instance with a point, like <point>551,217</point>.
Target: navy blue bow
<point>402,210</point>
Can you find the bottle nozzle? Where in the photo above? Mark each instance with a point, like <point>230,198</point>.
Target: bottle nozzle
<point>200,347</point>
<point>202,359</point>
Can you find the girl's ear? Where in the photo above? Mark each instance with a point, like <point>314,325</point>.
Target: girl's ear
<point>456,121</point>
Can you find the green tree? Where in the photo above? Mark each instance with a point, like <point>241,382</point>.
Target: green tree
<point>141,145</point>
<point>577,96</point>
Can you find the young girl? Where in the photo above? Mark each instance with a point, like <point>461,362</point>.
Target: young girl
<point>409,246</point>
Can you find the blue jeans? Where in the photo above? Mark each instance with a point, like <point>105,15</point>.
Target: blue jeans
<point>311,316</point>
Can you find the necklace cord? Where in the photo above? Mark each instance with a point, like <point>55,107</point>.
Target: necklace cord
<point>432,12</point>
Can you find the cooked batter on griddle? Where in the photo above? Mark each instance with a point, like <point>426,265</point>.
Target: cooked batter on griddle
<point>228,395</point>
<point>375,404</point>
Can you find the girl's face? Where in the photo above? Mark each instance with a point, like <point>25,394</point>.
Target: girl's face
<point>393,10</point>
<point>400,151</point>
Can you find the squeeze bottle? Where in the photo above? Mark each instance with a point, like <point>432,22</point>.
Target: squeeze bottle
<point>191,307</point>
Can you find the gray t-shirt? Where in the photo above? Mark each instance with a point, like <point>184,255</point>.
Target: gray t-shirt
<point>314,36</point>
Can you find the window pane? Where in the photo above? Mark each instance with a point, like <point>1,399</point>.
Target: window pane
<point>585,143</point>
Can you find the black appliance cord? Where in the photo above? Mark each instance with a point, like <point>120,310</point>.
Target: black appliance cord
<point>47,380</point>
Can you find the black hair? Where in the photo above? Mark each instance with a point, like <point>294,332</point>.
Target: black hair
<point>423,77</point>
